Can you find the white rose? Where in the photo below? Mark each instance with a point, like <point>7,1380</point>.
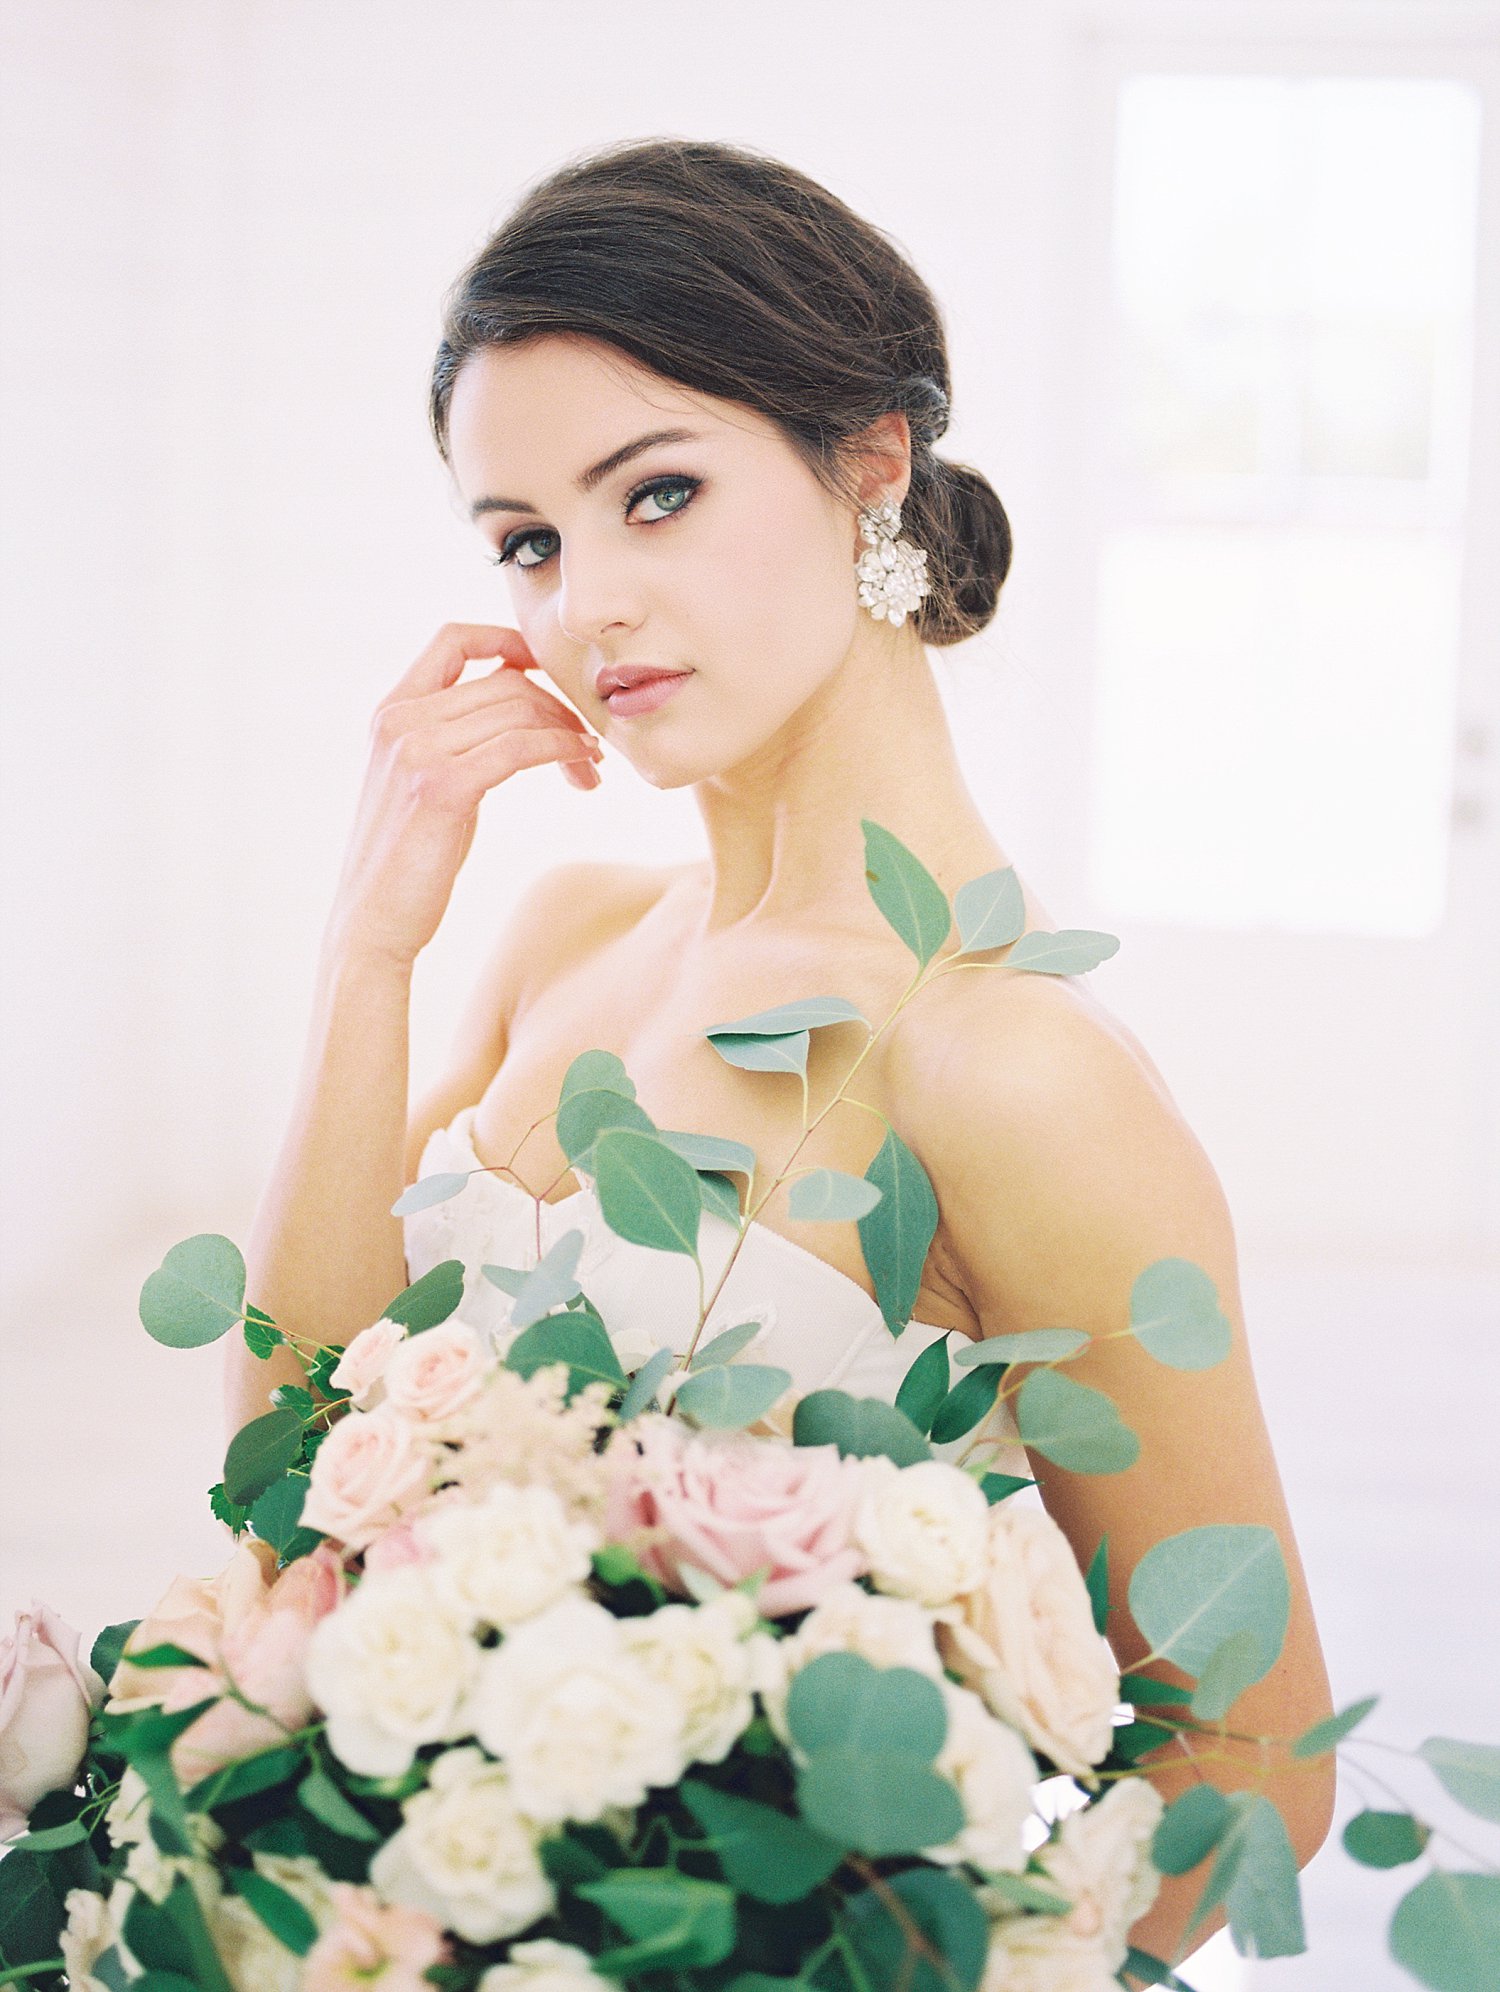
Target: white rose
<point>46,1693</point>
<point>578,1718</point>
<point>465,1854</point>
<point>361,1368</point>
<point>430,1375</point>
<point>888,1632</point>
<point>700,1655</point>
<point>253,1959</point>
<point>1024,1638</point>
<point>633,1346</point>
<point>541,1964</point>
<point>1040,1954</point>
<point>995,1775</point>
<point>503,1558</point>
<point>923,1528</point>
<point>87,1936</point>
<point>389,1668</point>
<point>303,1879</point>
<point>128,1820</point>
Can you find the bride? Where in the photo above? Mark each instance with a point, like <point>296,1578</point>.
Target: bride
<point>676,391</point>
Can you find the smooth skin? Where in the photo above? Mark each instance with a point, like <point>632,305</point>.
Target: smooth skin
<point>1061,1164</point>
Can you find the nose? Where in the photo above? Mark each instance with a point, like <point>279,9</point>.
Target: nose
<point>594,596</point>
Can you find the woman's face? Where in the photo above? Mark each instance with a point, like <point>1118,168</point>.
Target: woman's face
<point>717,555</point>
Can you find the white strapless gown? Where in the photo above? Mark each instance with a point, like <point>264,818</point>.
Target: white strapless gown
<point>816,1322</point>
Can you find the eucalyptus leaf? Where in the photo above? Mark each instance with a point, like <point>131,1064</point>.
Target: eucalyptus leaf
<point>1255,1876</point>
<point>711,1151</point>
<point>676,1920</point>
<point>1191,1591</point>
<point>879,1802</point>
<point>764,1852</point>
<point>1385,1839</point>
<point>1468,1772</point>
<point>990,910</point>
<point>858,1426</point>
<point>1446,1931</point>
<point>1233,1666</point>
<point>1190,1828</point>
<point>319,1795</point>
<point>911,899</point>
<point>583,1116</point>
<point>807,1013</point>
<point>1096,1582</point>
<point>576,1338</point>
<point>1327,1735</point>
<point>719,1196</point>
<point>430,1299</point>
<point>1022,1893</point>
<point>967,1405</point>
<point>832,1195</point>
<point>948,1916</point>
<point>596,1071</point>
<point>731,1395</point>
<point>925,1385</point>
<point>276,1515</point>
<point>259,1453</point>
<point>196,1294</point>
<point>1070,951</point>
<point>1176,1317</point>
<point>727,1343</point>
<point>753,1053</point>
<point>645,1384</point>
<point>843,1701</point>
<point>896,1234</point>
<point>283,1915</point>
<point>648,1194</point>
<point>1029,1345</point>
<point>1000,1486</point>
<point>429,1190</point>
<point>551,1282</point>
<point>1073,1425</point>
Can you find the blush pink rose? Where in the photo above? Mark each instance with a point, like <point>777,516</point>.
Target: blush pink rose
<point>249,1627</point>
<point>361,1368</point>
<point>46,1694</point>
<point>373,1467</point>
<point>371,1944</point>
<point>432,1374</point>
<point>732,1504</point>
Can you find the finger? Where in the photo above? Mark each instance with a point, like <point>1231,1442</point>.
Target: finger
<point>490,722</point>
<point>442,662</point>
<point>492,761</point>
<point>503,685</point>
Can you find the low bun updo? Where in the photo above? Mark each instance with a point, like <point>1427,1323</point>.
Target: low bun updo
<point>737,276</point>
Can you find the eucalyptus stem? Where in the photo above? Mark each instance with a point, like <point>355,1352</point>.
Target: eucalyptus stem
<point>17,1974</point>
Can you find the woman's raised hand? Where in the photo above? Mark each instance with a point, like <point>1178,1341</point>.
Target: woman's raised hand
<point>436,748</point>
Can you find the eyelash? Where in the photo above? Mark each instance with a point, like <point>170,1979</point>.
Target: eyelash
<point>507,554</point>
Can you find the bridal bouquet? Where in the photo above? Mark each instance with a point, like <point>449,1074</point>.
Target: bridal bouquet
<point>542,1664</point>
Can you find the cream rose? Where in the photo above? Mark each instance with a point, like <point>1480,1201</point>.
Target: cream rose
<point>995,1775</point>
<point>888,1632</point>
<point>1100,1858</point>
<point>430,1375</point>
<point>87,1935</point>
<point>46,1695</point>
<point>1024,1638</point>
<point>361,1368</point>
<point>922,1528</point>
<point>542,1964</point>
<point>499,1560</point>
<point>372,1467</point>
<point>700,1655</point>
<point>579,1719</point>
<point>464,1853</point>
<point>389,1669</point>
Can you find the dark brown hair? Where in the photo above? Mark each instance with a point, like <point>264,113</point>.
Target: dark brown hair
<point>732,273</point>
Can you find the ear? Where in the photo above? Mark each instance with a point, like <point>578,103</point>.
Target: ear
<point>881,457</point>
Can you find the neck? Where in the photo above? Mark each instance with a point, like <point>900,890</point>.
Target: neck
<point>873,741</point>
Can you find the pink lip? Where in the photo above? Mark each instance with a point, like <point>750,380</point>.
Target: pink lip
<point>646,695</point>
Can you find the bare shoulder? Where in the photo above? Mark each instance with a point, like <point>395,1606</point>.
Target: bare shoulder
<point>1061,1162</point>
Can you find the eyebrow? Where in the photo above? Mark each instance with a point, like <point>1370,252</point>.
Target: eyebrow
<point>596,472</point>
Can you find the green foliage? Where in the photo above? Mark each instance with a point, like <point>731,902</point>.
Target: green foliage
<point>1190,1828</point>
<point>259,1453</point>
<point>967,1405</point>
<point>945,1911</point>
<point>430,1190</point>
<point>1030,1345</point>
<point>764,1852</point>
<point>732,1395</point>
<point>276,1515</point>
<point>858,1426</point>
<point>1073,1425</point>
<point>283,1915</point>
<point>246,1777</point>
<point>551,1282</point>
<point>173,1936</point>
<point>1447,1931</point>
<point>645,1384</point>
<point>577,1338</point>
<point>31,1908</point>
<point>842,1700</point>
<point>594,1110</point>
<point>430,1299</point>
<point>233,1514</point>
<point>596,1071</point>
<point>925,1385</point>
<point>1231,1668</point>
<point>913,902</point>
<point>711,1152</point>
<point>261,1338</point>
<point>107,1648</point>
<point>1149,1970</point>
<point>896,1234</point>
<point>647,1192</point>
<point>1096,1580</point>
<point>869,1735</point>
<point>753,1053</point>
<point>677,1921</point>
<point>292,1397</point>
<point>1000,1486</point>
<point>1254,1876</point>
<point>1070,951</point>
<point>719,1196</point>
<point>197,1293</point>
<point>1022,1893</point>
<point>1176,1317</point>
<point>1385,1839</point>
<point>1468,1772</point>
<point>1327,1735</point>
<point>724,1345</point>
<point>990,911</point>
<point>1192,1591</point>
<point>832,1196</point>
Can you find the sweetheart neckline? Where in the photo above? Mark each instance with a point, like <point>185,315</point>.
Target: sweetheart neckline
<point>805,1253</point>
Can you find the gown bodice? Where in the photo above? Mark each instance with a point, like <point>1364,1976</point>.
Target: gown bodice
<point>816,1322</point>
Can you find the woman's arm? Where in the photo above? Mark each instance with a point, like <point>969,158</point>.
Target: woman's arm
<point>1063,1169</point>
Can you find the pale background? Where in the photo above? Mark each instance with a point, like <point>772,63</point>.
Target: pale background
<point>1240,706</point>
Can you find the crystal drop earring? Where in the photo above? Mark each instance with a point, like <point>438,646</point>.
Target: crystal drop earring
<point>892,572</point>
